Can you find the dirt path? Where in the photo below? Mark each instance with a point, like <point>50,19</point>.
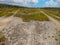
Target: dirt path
<point>57,28</point>
<point>4,21</point>
<point>57,17</point>
<point>57,23</point>
<point>15,12</point>
<point>52,19</point>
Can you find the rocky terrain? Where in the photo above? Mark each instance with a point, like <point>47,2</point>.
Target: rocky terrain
<point>18,32</point>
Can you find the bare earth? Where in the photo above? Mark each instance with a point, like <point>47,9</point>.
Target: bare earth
<point>18,32</point>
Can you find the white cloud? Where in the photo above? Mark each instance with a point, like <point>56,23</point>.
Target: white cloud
<point>34,1</point>
<point>22,2</point>
<point>2,0</point>
<point>52,3</point>
<point>26,2</point>
<point>18,1</point>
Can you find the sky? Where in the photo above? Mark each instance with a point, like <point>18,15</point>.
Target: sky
<point>33,3</point>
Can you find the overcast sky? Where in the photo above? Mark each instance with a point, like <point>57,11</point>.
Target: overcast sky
<point>33,3</point>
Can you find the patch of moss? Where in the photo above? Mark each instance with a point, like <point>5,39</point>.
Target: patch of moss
<point>2,38</point>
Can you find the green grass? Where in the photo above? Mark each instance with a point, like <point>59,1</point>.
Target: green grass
<point>54,13</point>
<point>2,38</point>
<point>31,14</point>
<point>37,16</point>
<point>5,13</point>
<point>55,17</point>
<point>27,14</point>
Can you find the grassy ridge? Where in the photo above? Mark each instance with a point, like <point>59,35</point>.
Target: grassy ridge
<point>29,13</point>
<point>55,13</point>
<point>26,14</point>
<point>37,16</point>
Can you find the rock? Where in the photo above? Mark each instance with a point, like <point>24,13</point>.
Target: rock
<point>18,32</point>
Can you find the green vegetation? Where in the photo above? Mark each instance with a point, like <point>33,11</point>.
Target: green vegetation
<point>53,16</point>
<point>38,17</point>
<point>27,14</point>
<point>31,14</point>
<point>2,39</point>
<point>55,13</point>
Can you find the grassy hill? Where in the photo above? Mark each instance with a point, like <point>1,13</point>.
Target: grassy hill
<point>26,13</point>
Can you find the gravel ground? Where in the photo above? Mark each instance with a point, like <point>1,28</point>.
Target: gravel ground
<point>18,32</point>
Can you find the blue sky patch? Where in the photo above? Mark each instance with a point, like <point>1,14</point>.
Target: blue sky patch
<point>33,3</point>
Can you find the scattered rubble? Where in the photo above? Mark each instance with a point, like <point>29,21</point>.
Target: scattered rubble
<point>18,32</point>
